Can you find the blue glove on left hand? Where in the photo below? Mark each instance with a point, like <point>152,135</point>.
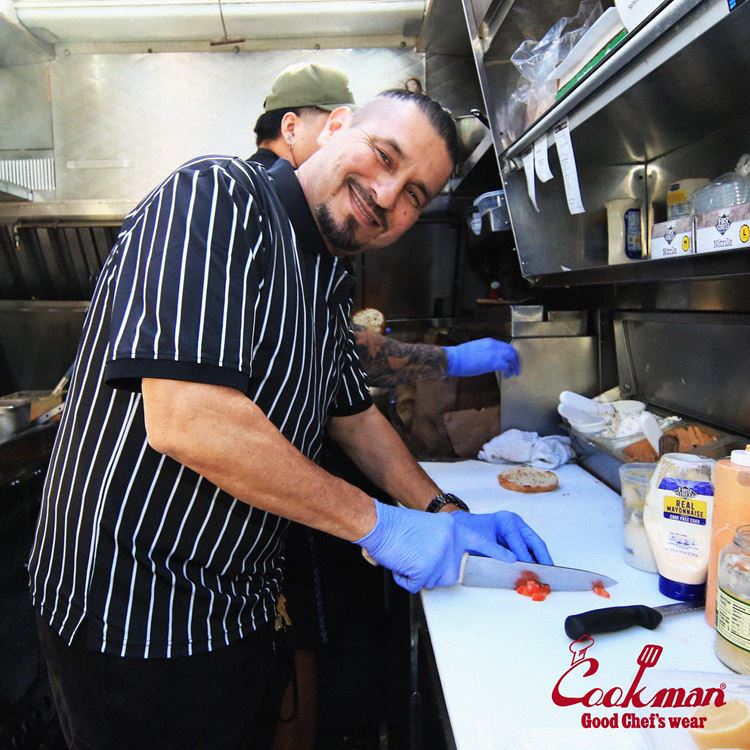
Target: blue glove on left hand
<point>508,529</point>
<point>482,356</point>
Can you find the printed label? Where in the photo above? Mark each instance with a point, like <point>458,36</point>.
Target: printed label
<point>724,229</point>
<point>672,238</point>
<point>685,503</point>
<point>733,619</point>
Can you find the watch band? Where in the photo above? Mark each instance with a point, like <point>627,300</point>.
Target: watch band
<point>446,498</point>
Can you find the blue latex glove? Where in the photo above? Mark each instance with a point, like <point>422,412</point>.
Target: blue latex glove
<point>424,550</point>
<point>482,356</point>
<point>508,529</point>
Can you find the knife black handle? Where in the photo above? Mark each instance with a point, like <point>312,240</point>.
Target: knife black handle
<point>610,619</point>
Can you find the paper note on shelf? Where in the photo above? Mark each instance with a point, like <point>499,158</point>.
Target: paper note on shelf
<point>541,159</point>
<point>528,168</point>
<point>568,165</point>
<point>634,12</point>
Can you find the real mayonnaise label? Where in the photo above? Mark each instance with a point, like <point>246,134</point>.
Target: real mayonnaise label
<point>683,500</point>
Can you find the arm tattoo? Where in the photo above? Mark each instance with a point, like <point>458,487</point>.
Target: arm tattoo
<point>388,362</point>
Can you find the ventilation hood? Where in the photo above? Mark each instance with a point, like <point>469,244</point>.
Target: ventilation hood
<point>95,21</point>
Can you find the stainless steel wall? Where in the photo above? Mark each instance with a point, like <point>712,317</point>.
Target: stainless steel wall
<point>118,123</point>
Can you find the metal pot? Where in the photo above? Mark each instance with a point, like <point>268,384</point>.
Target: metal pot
<point>15,415</point>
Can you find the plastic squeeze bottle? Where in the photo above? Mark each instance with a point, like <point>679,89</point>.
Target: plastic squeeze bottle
<point>731,509</point>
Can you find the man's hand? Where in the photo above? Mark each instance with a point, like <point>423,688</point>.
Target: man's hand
<point>480,357</point>
<point>508,529</point>
<point>424,550</point>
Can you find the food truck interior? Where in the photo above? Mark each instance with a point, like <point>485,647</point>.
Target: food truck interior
<point>99,101</point>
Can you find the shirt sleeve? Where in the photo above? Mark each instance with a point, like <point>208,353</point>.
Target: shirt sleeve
<point>189,269</point>
<point>353,395</point>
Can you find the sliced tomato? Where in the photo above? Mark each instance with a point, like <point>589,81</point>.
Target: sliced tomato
<point>599,590</point>
<point>533,588</point>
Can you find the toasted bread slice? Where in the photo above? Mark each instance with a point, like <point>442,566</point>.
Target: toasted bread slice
<point>526,479</point>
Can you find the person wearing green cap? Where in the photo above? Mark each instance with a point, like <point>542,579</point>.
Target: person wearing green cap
<point>302,99</point>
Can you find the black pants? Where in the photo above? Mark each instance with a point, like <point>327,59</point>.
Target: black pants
<point>226,700</point>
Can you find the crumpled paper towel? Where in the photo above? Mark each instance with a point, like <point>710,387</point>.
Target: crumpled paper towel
<point>522,447</point>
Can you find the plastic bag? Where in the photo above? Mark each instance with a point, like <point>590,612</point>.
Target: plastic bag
<point>730,189</point>
<point>535,61</point>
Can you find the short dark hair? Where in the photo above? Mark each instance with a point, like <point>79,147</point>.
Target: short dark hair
<point>440,118</point>
<point>268,125</point>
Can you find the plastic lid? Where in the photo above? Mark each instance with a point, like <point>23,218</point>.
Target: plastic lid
<point>741,457</point>
<point>685,592</point>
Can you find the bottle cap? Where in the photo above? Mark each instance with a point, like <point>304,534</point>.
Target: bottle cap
<point>684,592</point>
<point>741,457</point>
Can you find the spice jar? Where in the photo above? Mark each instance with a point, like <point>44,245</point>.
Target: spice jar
<point>732,644</point>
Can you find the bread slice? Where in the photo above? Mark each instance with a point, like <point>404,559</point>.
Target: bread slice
<point>526,479</point>
<point>370,318</point>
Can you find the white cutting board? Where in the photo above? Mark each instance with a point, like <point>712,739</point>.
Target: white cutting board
<point>499,654</point>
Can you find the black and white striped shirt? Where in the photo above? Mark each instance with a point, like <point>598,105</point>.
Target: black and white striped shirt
<point>219,276</point>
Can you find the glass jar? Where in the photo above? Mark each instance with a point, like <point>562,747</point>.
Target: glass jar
<point>732,644</point>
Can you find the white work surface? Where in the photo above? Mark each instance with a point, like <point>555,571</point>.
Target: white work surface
<point>499,654</point>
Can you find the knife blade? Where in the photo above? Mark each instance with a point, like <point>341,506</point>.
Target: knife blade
<point>484,572</point>
<point>610,619</point>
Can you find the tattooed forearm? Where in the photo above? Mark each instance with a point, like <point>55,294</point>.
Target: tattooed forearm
<point>388,362</point>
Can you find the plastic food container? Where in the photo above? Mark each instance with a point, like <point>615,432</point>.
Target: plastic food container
<point>634,479</point>
<point>716,445</point>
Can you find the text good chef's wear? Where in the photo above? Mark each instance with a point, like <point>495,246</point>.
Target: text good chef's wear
<point>218,276</point>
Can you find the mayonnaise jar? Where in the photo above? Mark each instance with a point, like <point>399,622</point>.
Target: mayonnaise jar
<point>677,517</point>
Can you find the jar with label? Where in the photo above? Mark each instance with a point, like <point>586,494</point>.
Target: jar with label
<point>624,230</point>
<point>732,644</point>
<point>677,516</point>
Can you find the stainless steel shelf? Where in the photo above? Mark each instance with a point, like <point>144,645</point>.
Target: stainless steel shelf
<point>666,34</point>
<point>719,265</point>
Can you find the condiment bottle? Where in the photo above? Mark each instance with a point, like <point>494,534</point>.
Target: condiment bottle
<point>677,518</point>
<point>731,509</point>
<point>732,644</point>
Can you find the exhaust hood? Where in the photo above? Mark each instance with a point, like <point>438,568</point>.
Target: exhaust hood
<point>94,21</point>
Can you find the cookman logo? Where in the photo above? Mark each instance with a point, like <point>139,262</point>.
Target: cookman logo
<point>636,695</point>
<point>669,235</point>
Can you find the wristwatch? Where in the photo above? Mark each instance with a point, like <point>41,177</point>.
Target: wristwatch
<point>439,501</point>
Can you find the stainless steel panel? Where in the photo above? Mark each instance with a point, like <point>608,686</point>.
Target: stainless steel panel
<point>25,108</point>
<point>553,240</point>
<point>413,278</point>
<point>549,365</point>
<point>151,112</point>
<point>38,342</point>
<point>695,364</point>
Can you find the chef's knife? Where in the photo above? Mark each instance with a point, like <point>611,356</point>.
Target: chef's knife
<point>610,619</point>
<point>484,572</point>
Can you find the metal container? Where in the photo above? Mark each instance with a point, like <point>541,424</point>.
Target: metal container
<point>470,133</point>
<point>15,415</point>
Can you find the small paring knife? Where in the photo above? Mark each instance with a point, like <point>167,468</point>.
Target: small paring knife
<point>611,619</point>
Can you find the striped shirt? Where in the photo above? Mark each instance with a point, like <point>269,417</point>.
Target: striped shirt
<point>219,276</point>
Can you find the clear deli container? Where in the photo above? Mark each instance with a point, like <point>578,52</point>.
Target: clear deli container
<point>634,479</point>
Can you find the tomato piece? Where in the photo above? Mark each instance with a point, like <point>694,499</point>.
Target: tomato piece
<point>599,590</point>
<point>533,588</point>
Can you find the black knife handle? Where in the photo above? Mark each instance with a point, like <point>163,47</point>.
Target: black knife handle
<point>609,619</point>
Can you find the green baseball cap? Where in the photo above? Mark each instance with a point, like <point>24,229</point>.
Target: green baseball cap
<point>309,85</point>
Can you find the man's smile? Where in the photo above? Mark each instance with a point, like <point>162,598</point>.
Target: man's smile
<point>369,213</point>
